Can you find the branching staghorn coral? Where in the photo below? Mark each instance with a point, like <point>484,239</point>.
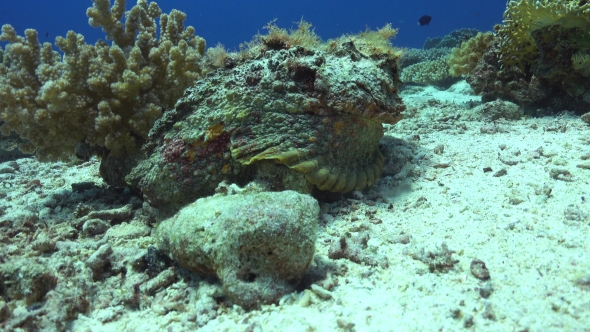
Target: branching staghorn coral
<point>104,95</point>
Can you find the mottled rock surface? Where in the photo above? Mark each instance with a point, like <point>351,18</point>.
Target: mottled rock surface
<point>318,113</point>
<point>259,244</point>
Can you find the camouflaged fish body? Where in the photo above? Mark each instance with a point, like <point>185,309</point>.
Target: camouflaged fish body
<point>319,114</point>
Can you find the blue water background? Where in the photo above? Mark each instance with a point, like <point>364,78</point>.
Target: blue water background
<point>233,22</point>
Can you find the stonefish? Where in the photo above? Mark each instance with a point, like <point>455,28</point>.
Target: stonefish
<point>316,114</point>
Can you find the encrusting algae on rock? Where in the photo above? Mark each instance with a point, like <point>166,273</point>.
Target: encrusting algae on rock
<point>259,244</point>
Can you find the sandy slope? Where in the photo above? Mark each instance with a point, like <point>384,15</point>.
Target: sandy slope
<point>527,219</point>
<point>535,246</point>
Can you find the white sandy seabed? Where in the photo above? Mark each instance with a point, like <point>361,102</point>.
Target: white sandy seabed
<point>508,196</point>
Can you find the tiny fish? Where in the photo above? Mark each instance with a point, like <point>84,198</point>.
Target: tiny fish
<point>424,20</point>
<point>46,34</point>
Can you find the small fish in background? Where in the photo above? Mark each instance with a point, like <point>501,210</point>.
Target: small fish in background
<point>424,20</point>
<point>46,34</point>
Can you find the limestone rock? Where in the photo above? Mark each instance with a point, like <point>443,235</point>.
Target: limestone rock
<point>258,244</point>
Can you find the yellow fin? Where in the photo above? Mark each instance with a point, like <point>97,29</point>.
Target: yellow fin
<point>380,160</point>
<point>318,176</point>
<point>361,181</point>
<point>340,183</point>
<point>350,182</point>
<point>289,158</point>
<point>306,167</point>
<point>329,182</point>
<point>370,176</point>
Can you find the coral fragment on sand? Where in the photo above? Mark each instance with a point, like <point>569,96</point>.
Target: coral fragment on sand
<point>258,244</point>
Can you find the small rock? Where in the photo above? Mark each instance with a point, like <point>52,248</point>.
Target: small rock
<point>500,173</point>
<point>533,155</point>
<point>82,186</point>
<point>132,230</point>
<point>99,258</point>
<point>498,109</point>
<point>118,214</point>
<point>486,290</point>
<point>345,324</point>
<point>479,269</point>
<point>160,281</point>
<point>515,199</point>
<point>321,292</point>
<point>403,239</point>
<point>439,149</point>
<point>95,226</point>
<point>259,244</point>
<point>488,129</point>
<point>488,312</point>
<point>561,174</point>
<point>43,243</point>
<point>508,159</point>
<point>6,169</point>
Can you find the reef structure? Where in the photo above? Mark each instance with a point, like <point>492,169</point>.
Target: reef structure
<point>314,111</point>
<point>539,57</point>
